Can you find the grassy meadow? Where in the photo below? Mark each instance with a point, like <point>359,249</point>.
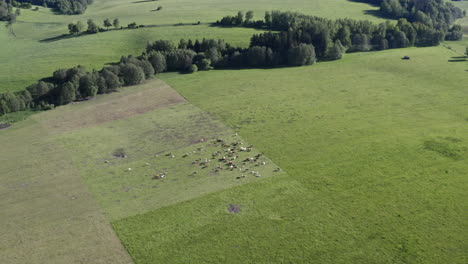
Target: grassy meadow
<point>174,139</point>
<point>375,148</point>
<point>48,215</point>
<point>25,59</point>
<point>361,160</point>
<point>64,184</point>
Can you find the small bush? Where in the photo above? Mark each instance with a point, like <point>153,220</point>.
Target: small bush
<point>119,153</point>
<point>193,69</point>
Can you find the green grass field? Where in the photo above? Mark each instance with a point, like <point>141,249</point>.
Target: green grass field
<point>47,213</point>
<point>364,161</point>
<point>25,59</point>
<point>375,148</point>
<point>64,185</point>
<point>149,140</point>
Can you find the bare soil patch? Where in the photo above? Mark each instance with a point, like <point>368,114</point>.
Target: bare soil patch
<point>131,101</point>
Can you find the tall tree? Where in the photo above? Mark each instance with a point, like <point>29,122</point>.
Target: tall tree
<point>116,23</point>
<point>92,27</point>
<point>107,23</point>
<point>249,17</point>
<point>158,60</point>
<point>303,54</point>
<point>239,18</point>
<point>337,51</point>
<point>132,74</point>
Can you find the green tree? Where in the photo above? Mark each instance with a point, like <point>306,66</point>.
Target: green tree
<point>12,102</point>
<point>303,54</point>
<point>132,74</point>
<point>79,26</point>
<point>146,67</point>
<point>179,60</point>
<point>204,65</point>
<point>27,98</point>
<point>337,51</point>
<point>158,60</point>
<point>3,107</point>
<point>256,56</point>
<point>160,45</point>
<point>111,79</point>
<point>39,89</point>
<point>193,68</point>
<point>92,27</point>
<point>116,23</point>
<point>107,23</point>
<point>88,86</point>
<point>72,28</point>
<point>268,19</point>
<point>67,93</point>
<point>239,18</point>
<point>249,17</point>
<point>344,35</point>
<point>75,28</point>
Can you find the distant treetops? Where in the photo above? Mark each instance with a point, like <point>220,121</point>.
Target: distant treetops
<point>437,13</point>
<point>68,7</point>
<point>328,35</point>
<point>7,11</point>
<point>92,27</point>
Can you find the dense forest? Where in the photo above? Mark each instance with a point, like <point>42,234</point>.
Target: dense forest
<point>68,7</point>
<point>438,13</point>
<point>299,40</point>
<point>354,35</point>
<point>7,13</point>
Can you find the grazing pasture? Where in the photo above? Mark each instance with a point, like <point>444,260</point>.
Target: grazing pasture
<point>72,170</point>
<point>375,149</point>
<point>168,154</point>
<point>361,160</point>
<point>47,213</point>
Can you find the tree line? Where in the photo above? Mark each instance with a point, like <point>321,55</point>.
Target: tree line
<point>329,37</point>
<point>92,27</point>
<point>430,12</point>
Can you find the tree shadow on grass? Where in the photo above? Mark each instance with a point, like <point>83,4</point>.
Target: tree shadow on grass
<point>57,38</point>
<point>144,1</point>
<point>375,13</point>
<point>372,12</point>
<point>458,59</point>
<point>365,2</point>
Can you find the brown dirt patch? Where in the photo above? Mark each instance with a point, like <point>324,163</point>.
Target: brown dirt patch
<point>130,101</point>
